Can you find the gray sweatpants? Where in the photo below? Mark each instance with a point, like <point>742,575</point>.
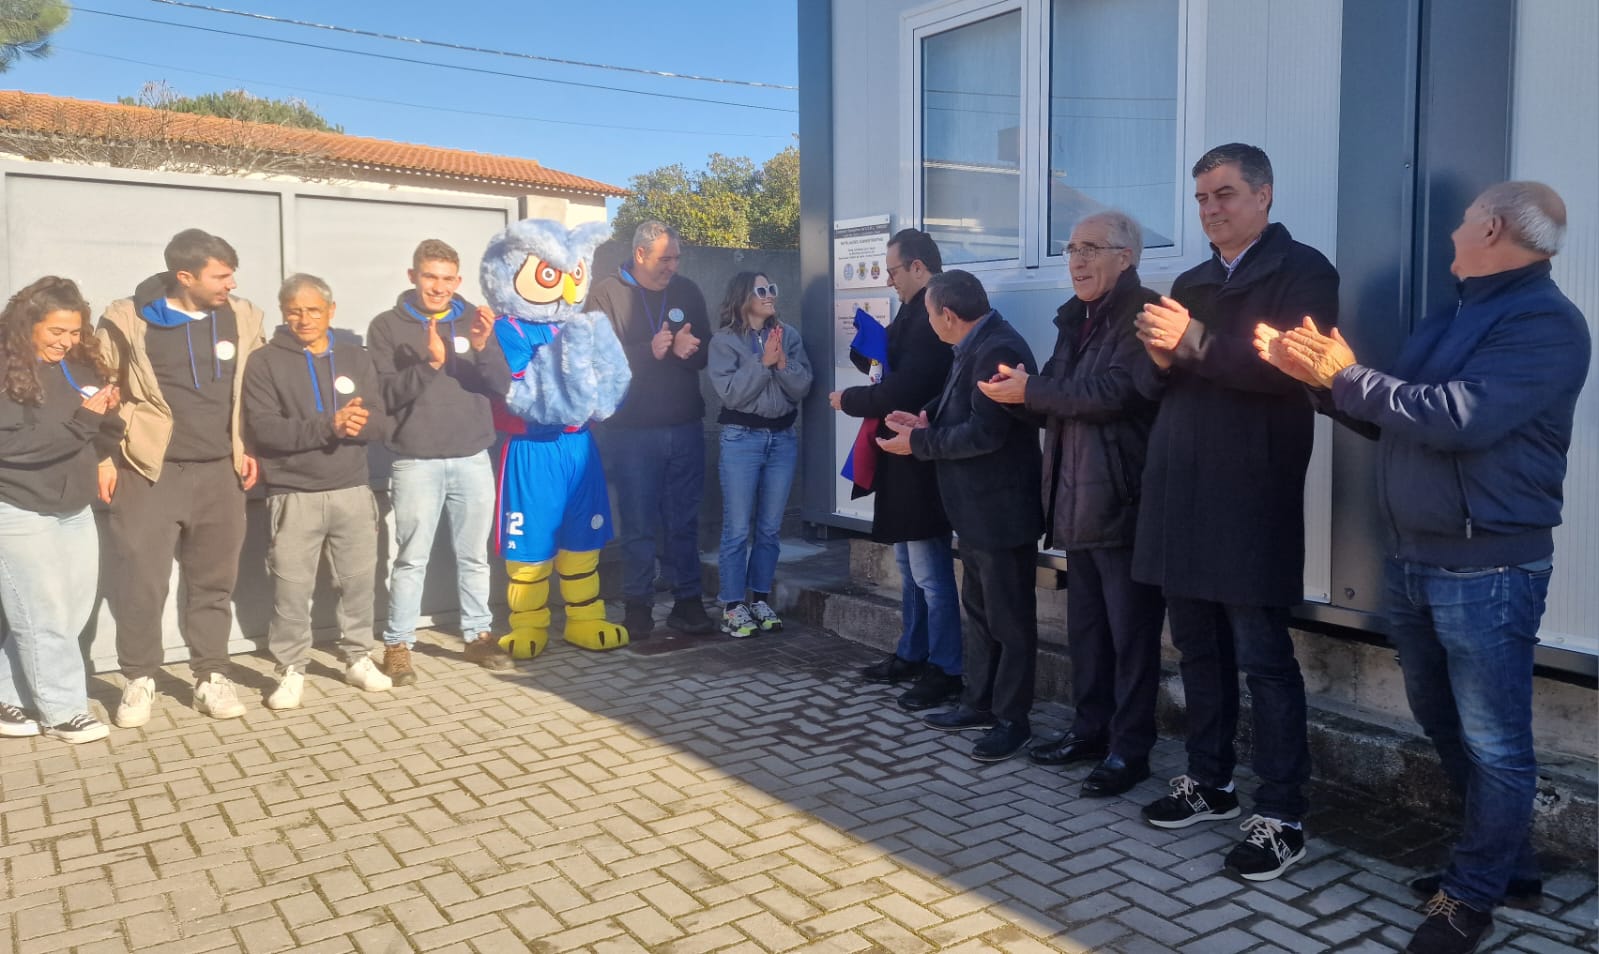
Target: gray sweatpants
<point>345,522</point>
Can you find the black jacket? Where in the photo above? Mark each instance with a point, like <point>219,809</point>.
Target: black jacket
<point>285,430</point>
<point>1222,516</point>
<point>49,454</point>
<point>664,392</point>
<point>436,413</point>
<point>908,506</point>
<point>987,456</point>
<point>1096,432</point>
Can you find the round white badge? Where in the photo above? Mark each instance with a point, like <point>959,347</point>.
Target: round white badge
<point>676,316</point>
<point>226,350</point>
<point>597,522</point>
<point>343,385</point>
<point>88,390</point>
<point>462,345</point>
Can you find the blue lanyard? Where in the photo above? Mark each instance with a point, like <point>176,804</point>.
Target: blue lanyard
<point>316,385</point>
<point>70,379</point>
<point>655,320</point>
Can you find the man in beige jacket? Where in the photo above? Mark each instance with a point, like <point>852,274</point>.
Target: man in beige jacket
<point>176,484</point>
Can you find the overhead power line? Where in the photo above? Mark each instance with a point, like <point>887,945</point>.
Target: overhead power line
<point>471,49</point>
<point>434,63</point>
<point>454,110</point>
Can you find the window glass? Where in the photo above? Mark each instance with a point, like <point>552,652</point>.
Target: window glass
<point>1113,115</point>
<point>971,139</point>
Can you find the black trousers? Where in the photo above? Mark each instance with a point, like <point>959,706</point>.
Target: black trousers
<point>997,591</point>
<point>197,511</point>
<point>1113,635</point>
<point>1217,642</point>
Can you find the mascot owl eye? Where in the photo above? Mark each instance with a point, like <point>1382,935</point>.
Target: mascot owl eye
<point>540,282</point>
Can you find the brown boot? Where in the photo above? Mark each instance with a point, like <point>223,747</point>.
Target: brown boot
<point>487,652</point>
<point>397,664</point>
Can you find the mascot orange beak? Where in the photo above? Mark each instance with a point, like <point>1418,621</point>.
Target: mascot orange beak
<point>568,289</point>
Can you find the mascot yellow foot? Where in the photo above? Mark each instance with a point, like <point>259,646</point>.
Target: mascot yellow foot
<point>529,597</point>
<point>586,625</point>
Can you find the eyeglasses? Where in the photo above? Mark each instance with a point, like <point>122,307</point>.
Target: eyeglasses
<point>765,291</point>
<point>894,268</point>
<point>1090,252</point>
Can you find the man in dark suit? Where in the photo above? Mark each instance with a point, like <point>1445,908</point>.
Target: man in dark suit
<point>989,468</point>
<point>907,512</point>
<point>1221,526</point>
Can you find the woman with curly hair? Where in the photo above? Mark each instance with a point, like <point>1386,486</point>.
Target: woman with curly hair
<point>758,367</point>
<point>57,418</point>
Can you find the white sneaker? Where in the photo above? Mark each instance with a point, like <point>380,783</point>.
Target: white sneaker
<point>82,727</point>
<point>290,687</point>
<point>218,698</point>
<point>765,617</point>
<point>137,698</point>
<point>364,674</point>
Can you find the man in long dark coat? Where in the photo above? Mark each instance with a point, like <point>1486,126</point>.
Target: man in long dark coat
<point>908,512</point>
<point>1221,526</point>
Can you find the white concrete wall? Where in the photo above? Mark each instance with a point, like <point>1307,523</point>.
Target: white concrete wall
<point>1555,139</point>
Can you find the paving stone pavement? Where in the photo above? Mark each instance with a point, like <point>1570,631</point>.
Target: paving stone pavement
<point>682,795</point>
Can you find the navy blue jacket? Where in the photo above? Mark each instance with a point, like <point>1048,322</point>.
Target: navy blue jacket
<point>986,454</point>
<point>1475,421</point>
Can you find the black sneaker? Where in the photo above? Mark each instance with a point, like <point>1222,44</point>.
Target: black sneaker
<point>82,727</point>
<point>1268,850</point>
<point>892,670</point>
<point>1002,741</point>
<point>1521,892</point>
<point>15,724</point>
<point>934,687</point>
<point>638,618</point>
<point>689,618</point>
<point>1452,927</point>
<point>1189,804</point>
<point>960,719</point>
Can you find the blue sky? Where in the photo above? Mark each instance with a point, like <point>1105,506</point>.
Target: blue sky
<point>416,100</point>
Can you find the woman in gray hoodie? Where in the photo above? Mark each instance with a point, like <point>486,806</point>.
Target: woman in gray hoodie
<point>759,370</point>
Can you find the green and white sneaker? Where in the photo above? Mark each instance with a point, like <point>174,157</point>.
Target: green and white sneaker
<point>765,617</point>
<point>737,622</point>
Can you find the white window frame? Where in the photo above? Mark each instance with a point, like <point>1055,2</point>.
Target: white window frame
<point>1033,266</point>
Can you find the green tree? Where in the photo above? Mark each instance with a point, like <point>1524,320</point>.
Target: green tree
<point>25,28</point>
<point>731,203</point>
<point>233,104</point>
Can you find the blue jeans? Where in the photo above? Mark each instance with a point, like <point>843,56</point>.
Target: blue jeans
<point>1465,641</point>
<point>930,606</point>
<point>757,470</point>
<point>49,568</point>
<point>659,475</point>
<point>1217,641</point>
<point>461,488</point>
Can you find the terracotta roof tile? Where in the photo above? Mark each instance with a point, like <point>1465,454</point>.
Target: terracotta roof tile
<point>39,113</point>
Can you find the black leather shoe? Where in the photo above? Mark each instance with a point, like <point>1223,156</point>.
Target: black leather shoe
<point>934,687</point>
<point>1071,748</point>
<point>1002,741</point>
<point>689,618</point>
<point>638,618</point>
<point>891,670</point>
<point>1520,893</point>
<point>1114,776</point>
<point>960,719</point>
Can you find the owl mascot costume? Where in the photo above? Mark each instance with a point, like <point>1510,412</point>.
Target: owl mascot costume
<point>567,370</point>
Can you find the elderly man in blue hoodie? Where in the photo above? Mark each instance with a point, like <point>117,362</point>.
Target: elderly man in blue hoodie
<point>1473,426</point>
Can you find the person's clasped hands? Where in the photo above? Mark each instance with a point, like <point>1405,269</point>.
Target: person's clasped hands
<point>1304,353</point>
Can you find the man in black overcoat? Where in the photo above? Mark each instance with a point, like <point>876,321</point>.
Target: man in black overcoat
<point>1221,525</point>
<point>988,474</point>
<point>908,512</point>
